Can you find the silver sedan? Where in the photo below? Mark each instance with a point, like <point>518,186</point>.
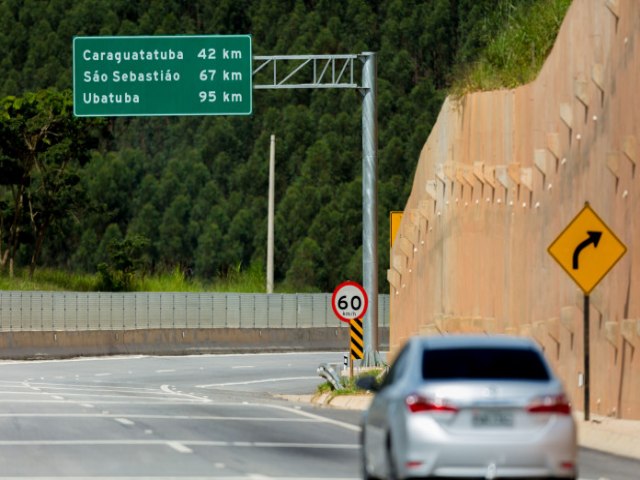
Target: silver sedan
<point>469,407</point>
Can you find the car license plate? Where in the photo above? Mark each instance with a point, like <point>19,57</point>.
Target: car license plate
<point>496,418</point>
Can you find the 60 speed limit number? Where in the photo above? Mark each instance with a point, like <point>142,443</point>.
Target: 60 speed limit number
<point>349,301</point>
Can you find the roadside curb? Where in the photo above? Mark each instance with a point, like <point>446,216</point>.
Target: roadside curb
<point>611,435</point>
<point>345,402</point>
<point>348,402</point>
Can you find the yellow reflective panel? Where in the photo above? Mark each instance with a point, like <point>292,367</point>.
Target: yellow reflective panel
<point>394,220</point>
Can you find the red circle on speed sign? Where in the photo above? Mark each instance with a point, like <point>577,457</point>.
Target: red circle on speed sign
<point>349,301</point>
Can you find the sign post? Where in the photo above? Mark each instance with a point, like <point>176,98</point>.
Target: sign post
<point>587,249</point>
<point>350,302</point>
<point>356,345</point>
<point>162,75</point>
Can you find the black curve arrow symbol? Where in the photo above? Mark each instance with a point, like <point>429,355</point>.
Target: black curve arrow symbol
<point>594,238</point>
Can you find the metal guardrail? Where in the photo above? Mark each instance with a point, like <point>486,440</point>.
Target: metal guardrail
<point>326,371</point>
<point>79,311</point>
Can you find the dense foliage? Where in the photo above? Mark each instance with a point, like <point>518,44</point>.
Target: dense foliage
<point>155,194</point>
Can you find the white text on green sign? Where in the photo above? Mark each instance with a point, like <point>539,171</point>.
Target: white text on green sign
<point>162,75</point>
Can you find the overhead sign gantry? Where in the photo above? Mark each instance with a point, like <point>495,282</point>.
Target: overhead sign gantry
<point>212,75</point>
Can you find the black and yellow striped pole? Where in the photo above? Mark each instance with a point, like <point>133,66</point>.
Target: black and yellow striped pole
<point>357,342</point>
<point>349,302</point>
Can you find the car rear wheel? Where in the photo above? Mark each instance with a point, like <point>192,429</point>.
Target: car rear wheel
<point>363,459</point>
<point>391,463</point>
<point>365,474</point>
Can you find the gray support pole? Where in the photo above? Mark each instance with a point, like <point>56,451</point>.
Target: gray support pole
<point>587,360</point>
<point>370,205</point>
<point>270,220</point>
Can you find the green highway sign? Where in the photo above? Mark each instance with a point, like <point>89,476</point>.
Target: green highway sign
<point>162,75</point>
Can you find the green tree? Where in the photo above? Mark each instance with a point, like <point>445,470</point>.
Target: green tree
<point>173,244</point>
<point>126,258</point>
<point>306,269</point>
<point>208,258</point>
<point>41,146</point>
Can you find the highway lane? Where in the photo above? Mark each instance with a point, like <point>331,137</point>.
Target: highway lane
<point>196,417</point>
<point>170,417</point>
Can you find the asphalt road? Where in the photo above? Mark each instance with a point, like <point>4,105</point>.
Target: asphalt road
<point>197,417</point>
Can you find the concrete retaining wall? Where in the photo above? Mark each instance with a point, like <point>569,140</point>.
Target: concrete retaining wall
<point>500,177</point>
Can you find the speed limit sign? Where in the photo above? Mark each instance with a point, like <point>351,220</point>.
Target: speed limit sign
<point>349,301</point>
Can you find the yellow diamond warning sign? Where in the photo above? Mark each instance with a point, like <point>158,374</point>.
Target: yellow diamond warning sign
<point>587,249</point>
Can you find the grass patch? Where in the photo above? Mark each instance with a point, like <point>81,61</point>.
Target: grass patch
<point>174,281</point>
<point>48,280</point>
<point>251,280</point>
<point>516,55</point>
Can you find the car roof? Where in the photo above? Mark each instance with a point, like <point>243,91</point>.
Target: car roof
<point>477,341</point>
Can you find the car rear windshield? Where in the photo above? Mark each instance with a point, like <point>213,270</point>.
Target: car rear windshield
<point>483,364</point>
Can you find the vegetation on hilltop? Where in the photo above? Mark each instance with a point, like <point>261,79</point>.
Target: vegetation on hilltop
<point>515,55</point>
<point>125,199</point>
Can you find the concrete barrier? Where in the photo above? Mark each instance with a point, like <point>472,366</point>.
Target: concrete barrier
<point>165,341</point>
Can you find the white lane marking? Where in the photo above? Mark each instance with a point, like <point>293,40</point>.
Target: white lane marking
<point>302,413</point>
<point>186,478</point>
<point>9,363</point>
<point>26,384</point>
<point>257,476</point>
<point>95,386</point>
<point>102,375</point>
<point>99,391</point>
<point>165,371</point>
<point>86,405</point>
<point>78,359</point>
<point>168,389</point>
<point>188,443</point>
<point>4,392</point>
<point>348,426</point>
<point>179,447</point>
<point>96,398</point>
<point>251,382</point>
<point>320,446</point>
<point>124,421</point>
<point>267,354</point>
<point>116,394</point>
<point>129,401</point>
<point>121,416</point>
<point>242,366</point>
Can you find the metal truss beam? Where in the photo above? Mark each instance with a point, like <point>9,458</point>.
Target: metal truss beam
<point>305,71</point>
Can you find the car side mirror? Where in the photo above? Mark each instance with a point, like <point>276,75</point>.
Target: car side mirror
<point>368,382</point>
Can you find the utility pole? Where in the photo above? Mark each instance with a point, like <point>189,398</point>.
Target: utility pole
<point>270,216</point>
<point>369,92</point>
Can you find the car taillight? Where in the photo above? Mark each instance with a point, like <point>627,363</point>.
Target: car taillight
<point>551,404</point>
<point>417,403</point>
